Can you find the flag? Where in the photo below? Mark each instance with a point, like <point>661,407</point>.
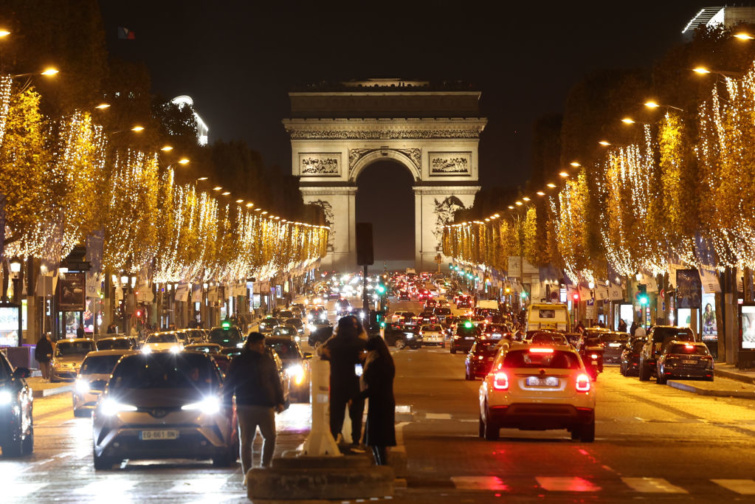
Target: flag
<point>125,33</point>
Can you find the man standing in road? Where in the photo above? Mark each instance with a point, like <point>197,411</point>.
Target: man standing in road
<point>43,355</point>
<point>345,351</point>
<point>253,378</point>
<point>640,331</point>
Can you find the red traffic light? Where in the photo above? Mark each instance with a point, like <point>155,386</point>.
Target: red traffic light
<point>138,313</point>
<point>575,296</point>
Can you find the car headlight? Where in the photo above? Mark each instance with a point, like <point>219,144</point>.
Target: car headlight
<point>111,407</point>
<point>82,386</point>
<point>240,345</point>
<point>208,406</point>
<point>295,371</point>
<point>5,397</point>
<point>146,349</point>
<point>175,349</point>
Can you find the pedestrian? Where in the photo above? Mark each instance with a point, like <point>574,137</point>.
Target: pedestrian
<point>640,331</point>
<point>633,327</point>
<point>376,384</point>
<point>622,325</point>
<point>43,355</point>
<point>80,331</point>
<point>253,378</point>
<point>580,327</point>
<point>111,329</point>
<point>345,351</point>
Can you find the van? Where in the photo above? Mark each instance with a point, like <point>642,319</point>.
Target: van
<point>553,316</point>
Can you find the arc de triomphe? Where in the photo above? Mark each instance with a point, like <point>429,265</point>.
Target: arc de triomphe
<point>338,131</point>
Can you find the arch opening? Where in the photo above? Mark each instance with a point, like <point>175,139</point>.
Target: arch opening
<point>386,199</point>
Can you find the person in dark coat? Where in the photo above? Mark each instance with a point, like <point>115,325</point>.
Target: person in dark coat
<point>80,331</point>
<point>377,386</point>
<point>253,378</point>
<point>43,355</point>
<point>345,350</point>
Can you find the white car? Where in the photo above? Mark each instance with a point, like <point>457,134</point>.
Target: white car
<point>432,335</point>
<point>398,316</point>
<point>93,376</point>
<point>537,387</point>
<point>158,341</point>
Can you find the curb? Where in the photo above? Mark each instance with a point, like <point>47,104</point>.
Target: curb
<point>741,394</point>
<point>41,393</point>
<point>734,376</point>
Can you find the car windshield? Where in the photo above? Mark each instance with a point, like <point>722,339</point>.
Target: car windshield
<point>99,364</point>
<point>270,322</point>
<point>466,329</point>
<point>555,359</point>
<point>486,346</point>
<point>285,330</point>
<point>637,346</point>
<point>203,348</point>
<point>294,322</point>
<point>114,344</point>
<point>5,372</point>
<point>284,349</point>
<point>431,328</point>
<point>225,337</point>
<point>665,333</point>
<point>163,370</point>
<point>614,337</point>
<point>688,349</point>
<point>66,348</point>
<point>286,314</point>
<point>162,338</point>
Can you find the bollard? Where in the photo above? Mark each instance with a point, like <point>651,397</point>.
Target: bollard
<point>320,441</point>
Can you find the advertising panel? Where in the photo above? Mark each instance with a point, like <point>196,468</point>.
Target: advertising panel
<point>710,328</point>
<point>747,323</point>
<point>10,324</point>
<point>72,292</point>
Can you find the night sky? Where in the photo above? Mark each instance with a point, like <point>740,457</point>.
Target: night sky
<point>238,60</point>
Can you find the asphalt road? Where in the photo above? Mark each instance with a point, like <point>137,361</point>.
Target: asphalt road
<point>653,443</point>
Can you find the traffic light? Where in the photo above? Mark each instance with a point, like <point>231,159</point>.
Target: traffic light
<point>139,313</point>
<point>380,289</point>
<point>575,296</point>
<point>642,294</point>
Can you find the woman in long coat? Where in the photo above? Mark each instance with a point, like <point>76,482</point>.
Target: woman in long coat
<point>377,386</point>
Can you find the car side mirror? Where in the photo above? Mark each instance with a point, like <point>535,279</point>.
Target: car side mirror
<point>21,372</point>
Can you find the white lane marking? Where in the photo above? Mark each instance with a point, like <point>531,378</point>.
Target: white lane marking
<point>640,419</point>
<point>740,486</point>
<point>198,485</point>
<point>478,483</point>
<point>652,485</point>
<point>438,416</point>
<point>566,484</point>
<point>18,489</point>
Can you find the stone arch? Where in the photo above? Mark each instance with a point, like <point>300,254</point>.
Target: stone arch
<point>384,154</point>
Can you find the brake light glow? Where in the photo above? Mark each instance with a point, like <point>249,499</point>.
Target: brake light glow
<point>583,383</point>
<point>541,350</point>
<point>501,381</point>
<point>594,356</point>
<point>689,347</point>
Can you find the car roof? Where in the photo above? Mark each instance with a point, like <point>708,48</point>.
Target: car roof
<point>102,353</point>
<point>74,340</point>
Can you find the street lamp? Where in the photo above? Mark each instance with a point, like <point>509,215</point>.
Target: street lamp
<point>701,70</point>
<point>652,104</point>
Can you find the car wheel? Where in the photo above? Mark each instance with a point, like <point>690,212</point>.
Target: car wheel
<point>467,376</point>
<point>453,350</point>
<point>622,369</point>
<point>643,372</point>
<point>481,431</point>
<point>491,431</point>
<point>708,378</point>
<point>28,444</point>
<point>587,432</point>
<point>661,378</point>
<point>574,433</point>
<point>102,463</point>
<point>225,458</point>
<point>13,448</point>
<point>399,344</point>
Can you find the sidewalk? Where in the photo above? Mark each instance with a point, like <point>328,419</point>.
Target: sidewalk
<point>729,382</point>
<point>42,388</point>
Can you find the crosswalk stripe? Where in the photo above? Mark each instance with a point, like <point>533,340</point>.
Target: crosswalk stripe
<point>18,489</point>
<point>478,483</point>
<point>566,484</point>
<point>652,485</point>
<point>740,486</point>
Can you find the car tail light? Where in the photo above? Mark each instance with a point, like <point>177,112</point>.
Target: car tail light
<point>541,350</point>
<point>594,356</point>
<point>501,381</point>
<point>583,383</point>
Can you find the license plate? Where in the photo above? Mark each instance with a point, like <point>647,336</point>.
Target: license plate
<point>534,381</point>
<point>469,338</point>
<point>156,435</point>
<point>689,362</point>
